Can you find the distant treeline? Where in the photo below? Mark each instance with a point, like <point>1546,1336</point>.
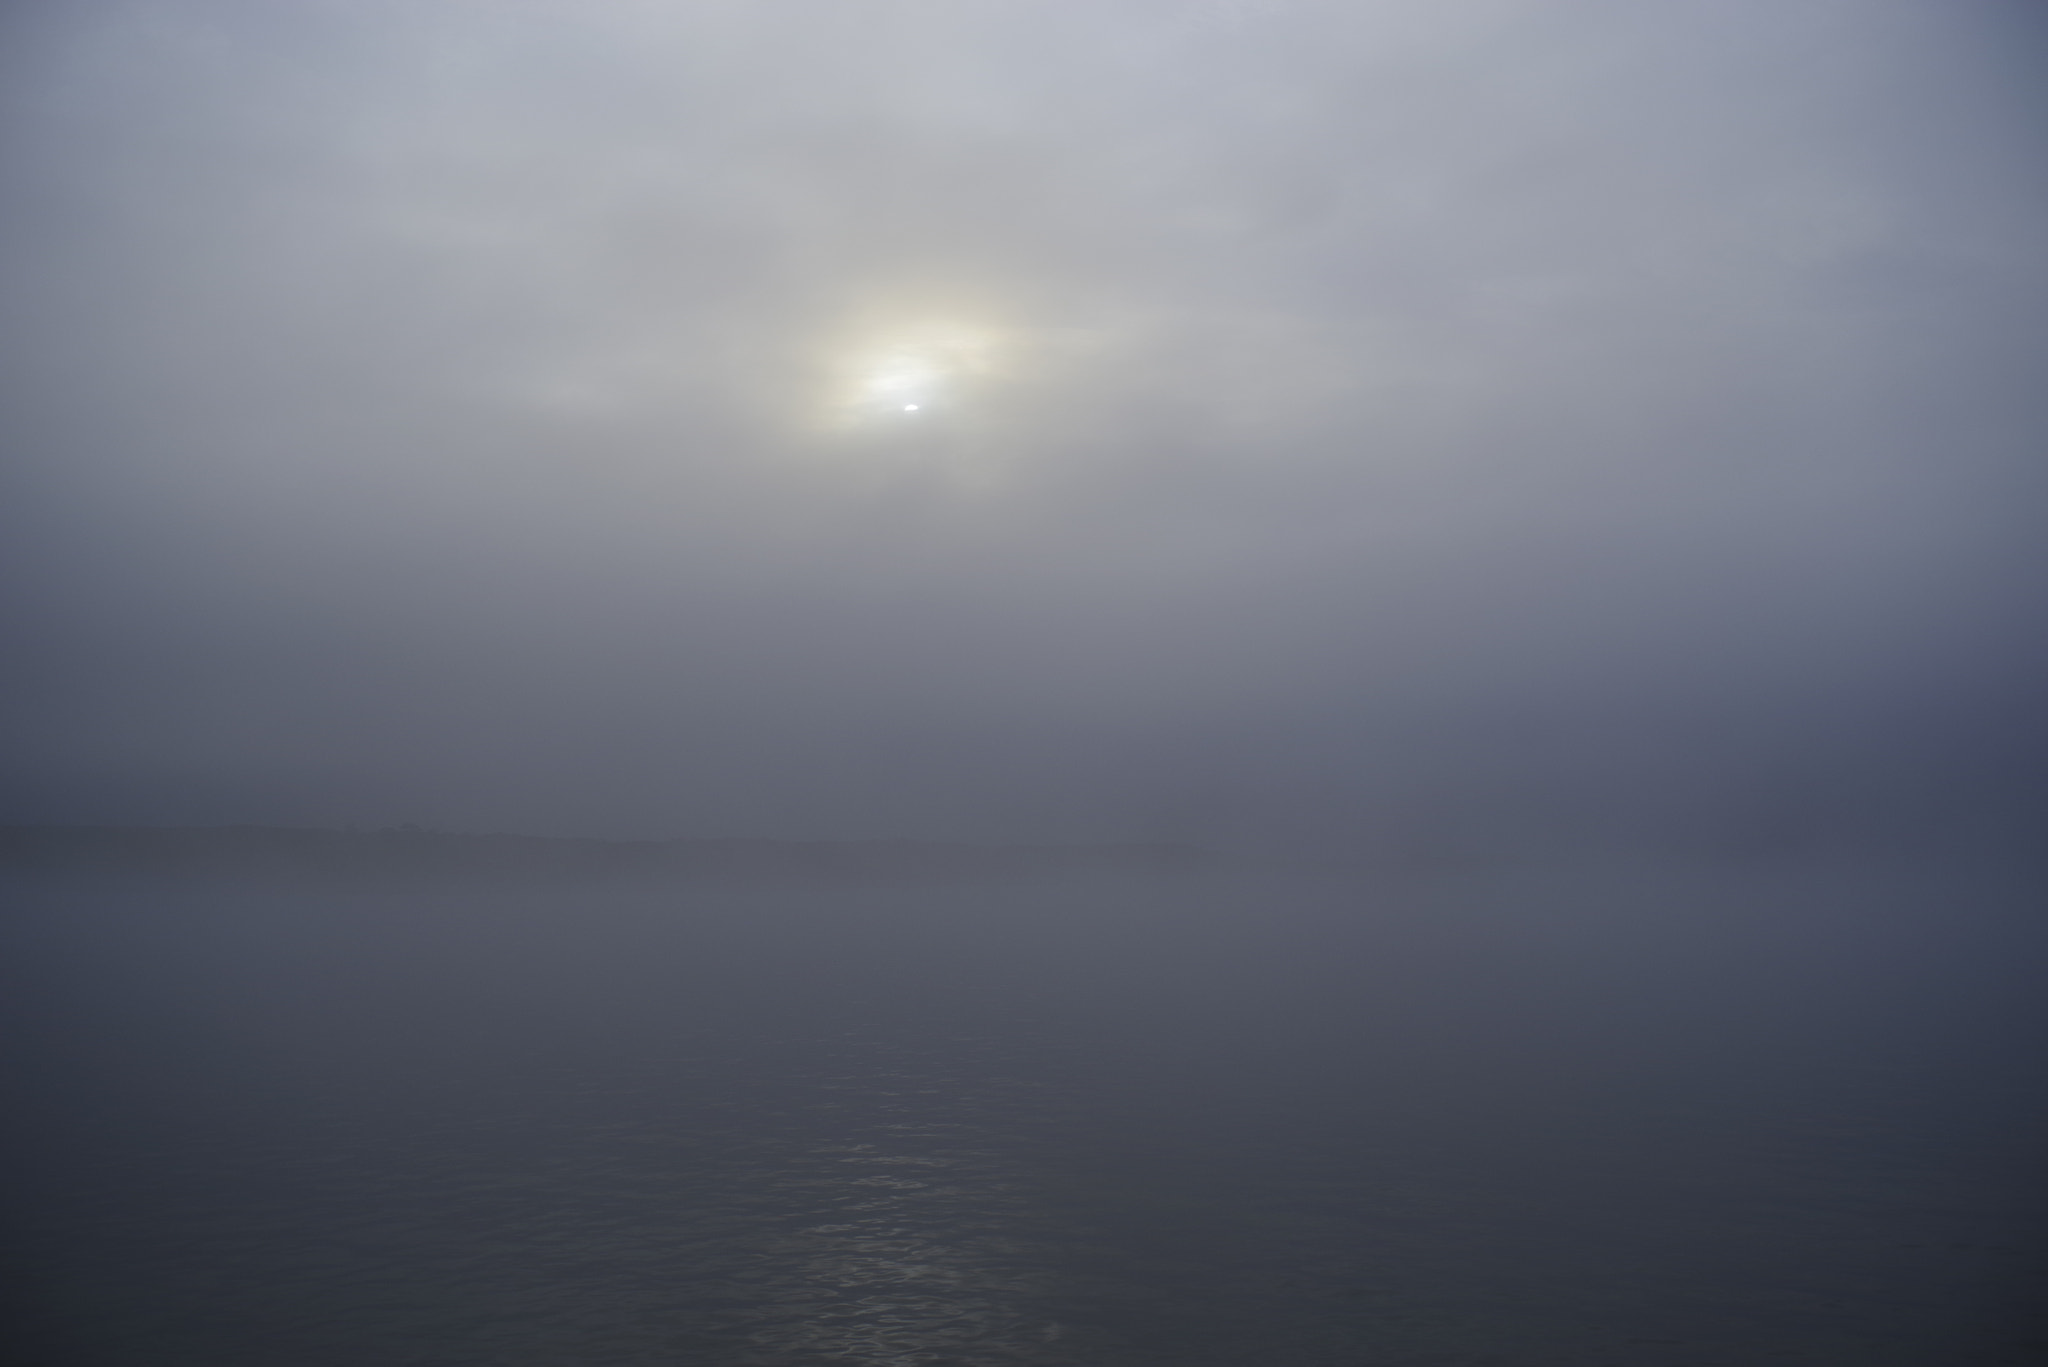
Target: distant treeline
<point>154,850</point>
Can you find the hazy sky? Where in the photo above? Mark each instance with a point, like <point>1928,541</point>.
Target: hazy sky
<point>1019,418</point>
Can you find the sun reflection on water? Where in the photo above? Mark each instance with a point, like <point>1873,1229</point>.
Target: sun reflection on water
<point>910,1255</point>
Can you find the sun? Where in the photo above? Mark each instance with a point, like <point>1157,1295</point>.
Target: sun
<point>912,371</point>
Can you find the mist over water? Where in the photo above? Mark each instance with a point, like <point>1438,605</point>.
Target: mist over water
<point>953,683</point>
<point>1646,1113</point>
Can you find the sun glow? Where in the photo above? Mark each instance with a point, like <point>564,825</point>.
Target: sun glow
<point>924,369</point>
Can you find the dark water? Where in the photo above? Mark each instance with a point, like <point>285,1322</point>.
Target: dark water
<point>1626,1115</point>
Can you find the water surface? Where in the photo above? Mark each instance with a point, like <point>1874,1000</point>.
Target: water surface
<point>1622,1113</point>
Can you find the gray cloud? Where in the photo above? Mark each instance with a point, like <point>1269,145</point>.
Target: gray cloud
<point>464,412</point>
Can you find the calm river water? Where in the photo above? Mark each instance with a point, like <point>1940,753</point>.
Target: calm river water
<point>1614,1116</point>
